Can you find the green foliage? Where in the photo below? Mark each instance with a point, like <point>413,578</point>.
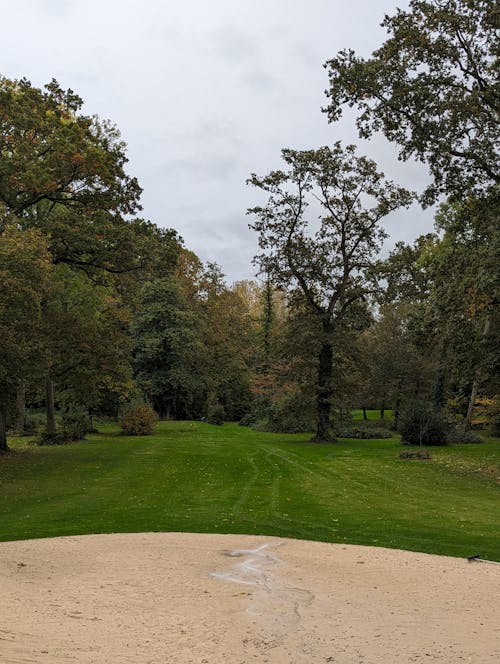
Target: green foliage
<point>420,424</point>
<point>76,423</point>
<point>464,298</point>
<point>329,259</point>
<point>53,438</point>
<point>288,414</point>
<point>364,433</point>
<point>50,152</point>
<point>463,437</point>
<point>216,414</point>
<point>168,349</point>
<point>138,420</point>
<point>32,424</point>
<point>247,420</point>
<point>432,88</point>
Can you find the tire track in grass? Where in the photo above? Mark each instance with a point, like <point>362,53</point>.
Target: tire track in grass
<point>270,462</point>
<point>282,518</point>
<point>245,492</point>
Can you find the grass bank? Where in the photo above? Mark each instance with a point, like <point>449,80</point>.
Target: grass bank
<point>195,477</point>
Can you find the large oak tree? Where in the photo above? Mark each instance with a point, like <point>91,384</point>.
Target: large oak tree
<point>320,231</point>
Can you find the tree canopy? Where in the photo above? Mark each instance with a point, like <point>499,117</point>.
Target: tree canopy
<point>49,151</point>
<point>432,88</point>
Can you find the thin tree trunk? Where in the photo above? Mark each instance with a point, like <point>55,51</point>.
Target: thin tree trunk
<point>267,325</point>
<point>365,416</point>
<point>49,405</point>
<point>323,401</point>
<point>397,405</point>
<point>21,408</point>
<point>439,381</point>
<point>475,383</point>
<point>382,408</point>
<point>3,433</point>
<point>472,401</point>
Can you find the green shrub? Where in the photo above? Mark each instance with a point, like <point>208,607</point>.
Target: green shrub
<point>289,414</point>
<point>216,414</point>
<point>420,424</point>
<point>31,425</point>
<point>463,437</point>
<point>138,420</point>
<point>56,438</point>
<point>76,423</point>
<point>247,420</point>
<point>370,433</point>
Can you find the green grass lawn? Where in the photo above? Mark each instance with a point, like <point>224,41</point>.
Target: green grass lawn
<point>357,414</point>
<point>195,477</point>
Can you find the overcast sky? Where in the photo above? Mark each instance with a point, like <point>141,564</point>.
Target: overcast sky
<point>205,92</point>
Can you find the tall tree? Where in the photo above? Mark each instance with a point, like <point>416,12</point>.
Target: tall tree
<point>63,174</point>
<point>49,151</point>
<point>24,277</point>
<point>466,293</point>
<point>328,254</point>
<point>168,350</point>
<point>433,89</point>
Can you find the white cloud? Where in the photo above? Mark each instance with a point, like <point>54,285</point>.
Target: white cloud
<point>205,93</point>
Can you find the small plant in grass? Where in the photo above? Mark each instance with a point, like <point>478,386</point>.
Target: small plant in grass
<point>53,438</point>
<point>420,424</point>
<point>139,420</point>
<point>417,454</point>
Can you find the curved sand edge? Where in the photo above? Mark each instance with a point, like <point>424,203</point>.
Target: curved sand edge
<point>152,598</point>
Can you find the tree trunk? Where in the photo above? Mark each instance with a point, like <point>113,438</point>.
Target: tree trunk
<point>3,433</point>
<point>397,406</point>
<point>365,417</point>
<point>472,401</point>
<point>49,405</point>
<point>382,408</point>
<point>21,408</point>
<point>267,325</point>
<point>475,383</point>
<point>439,381</point>
<point>323,401</point>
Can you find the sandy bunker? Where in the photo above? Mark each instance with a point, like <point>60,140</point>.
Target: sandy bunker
<point>152,598</point>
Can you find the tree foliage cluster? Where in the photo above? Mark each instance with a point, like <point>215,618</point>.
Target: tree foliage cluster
<point>98,307</point>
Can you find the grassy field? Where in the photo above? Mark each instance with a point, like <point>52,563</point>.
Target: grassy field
<point>195,477</point>
<point>357,414</point>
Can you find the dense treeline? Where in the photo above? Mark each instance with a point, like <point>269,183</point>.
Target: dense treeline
<point>101,309</point>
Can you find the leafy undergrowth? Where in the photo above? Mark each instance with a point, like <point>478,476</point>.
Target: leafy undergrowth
<point>194,477</point>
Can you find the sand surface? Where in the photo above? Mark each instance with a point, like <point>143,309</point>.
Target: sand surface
<point>153,598</point>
